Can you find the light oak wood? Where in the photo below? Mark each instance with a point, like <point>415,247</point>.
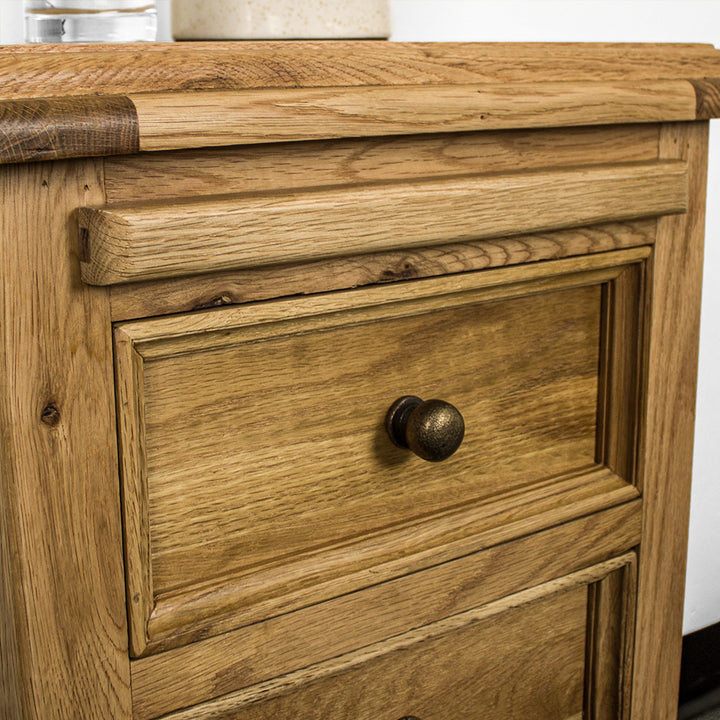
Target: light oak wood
<point>291,641</point>
<point>623,359</point>
<point>667,453</point>
<point>74,70</point>
<point>176,120</point>
<point>167,379</point>
<point>284,166</point>
<point>373,666</point>
<point>534,653</point>
<point>610,639</point>
<point>64,637</point>
<point>558,546</point>
<point>162,297</point>
<point>136,242</point>
<point>252,92</point>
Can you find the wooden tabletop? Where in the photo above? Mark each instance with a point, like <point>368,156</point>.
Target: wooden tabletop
<point>59,101</point>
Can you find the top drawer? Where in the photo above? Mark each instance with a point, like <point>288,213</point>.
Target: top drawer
<point>257,474</point>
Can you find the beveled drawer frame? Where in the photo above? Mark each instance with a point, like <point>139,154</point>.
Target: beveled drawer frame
<point>160,622</point>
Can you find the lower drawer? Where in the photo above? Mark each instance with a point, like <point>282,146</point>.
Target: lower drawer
<point>522,663</point>
<point>556,651</point>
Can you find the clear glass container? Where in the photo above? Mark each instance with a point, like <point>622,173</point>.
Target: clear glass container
<point>67,21</point>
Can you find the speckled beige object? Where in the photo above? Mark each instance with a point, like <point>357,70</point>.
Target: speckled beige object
<point>279,19</point>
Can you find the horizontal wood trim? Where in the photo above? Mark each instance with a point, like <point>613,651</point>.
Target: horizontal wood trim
<point>325,163</point>
<point>534,643</point>
<point>125,243</point>
<point>249,597</point>
<point>196,673</point>
<point>186,120</point>
<point>163,297</point>
<point>208,329</point>
<point>230,93</point>
<point>64,127</point>
<point>41,71</point>
<point>228,705</point>
<point>55,128</point>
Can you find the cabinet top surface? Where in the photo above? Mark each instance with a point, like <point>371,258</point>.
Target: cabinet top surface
<point>61,70</point>
<point>151,96</point>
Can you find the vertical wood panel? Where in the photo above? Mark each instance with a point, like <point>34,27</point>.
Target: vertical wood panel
<point>667,458</point>
<point>68,637</point>
<point>609,645</point>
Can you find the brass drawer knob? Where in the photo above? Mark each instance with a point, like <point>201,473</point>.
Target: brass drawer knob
<point>432,429</point>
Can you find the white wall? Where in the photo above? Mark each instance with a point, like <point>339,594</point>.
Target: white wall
<point>610,21</point>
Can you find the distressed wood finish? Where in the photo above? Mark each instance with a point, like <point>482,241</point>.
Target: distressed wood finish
<point>242,96</point>
<point>667,456</point>
<point>288,642</point>
<point>186,120</point>
<point>162,297</point>
<point>55,128</point>
<point>137,242</point>
<point>173,371</point>
<point>708,97</point>
<point>75,70</point>
<point>292,166</point>
<point>64,642</point>
<point>526,221</point>
<point>308,689</point>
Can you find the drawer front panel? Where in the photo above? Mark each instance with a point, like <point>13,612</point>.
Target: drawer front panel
<point>560,650</point>
<point>231,664</point>
<point>254,451</point>
<point>528,662</point>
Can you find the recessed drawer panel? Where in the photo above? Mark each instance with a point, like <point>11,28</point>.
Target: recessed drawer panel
<point>560,650</point>
<point>523,663</point>
<point>258,474</point>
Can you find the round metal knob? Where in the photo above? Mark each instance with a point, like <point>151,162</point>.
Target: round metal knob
<point>432,429</point>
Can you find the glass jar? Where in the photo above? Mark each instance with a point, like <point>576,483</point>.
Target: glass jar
<point>63,21</point>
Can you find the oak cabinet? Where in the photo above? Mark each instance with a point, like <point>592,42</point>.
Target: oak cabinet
<point>223,264</point>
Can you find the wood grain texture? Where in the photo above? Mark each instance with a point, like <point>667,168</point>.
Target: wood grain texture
<point>162,297</point>
<point>610,640</point>
<point>273,697</point>
<point>54,128</point>
<point>187,120</point>
<point>158,452</point>
<point>149,241</point>
<point>623,358</point>
<point>74,70</point>
<point>224,664</point>
<point>66,650</point>
<point>536,653</point>
<point>284,166</point>
<point>345,482</point>
<point>193,96</point>
<point>707,91</point>
<point>667,453</point>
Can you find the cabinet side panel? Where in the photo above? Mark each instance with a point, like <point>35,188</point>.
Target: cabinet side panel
<point>666,460</point>
<point>10,597</point>
<point>61,518</point>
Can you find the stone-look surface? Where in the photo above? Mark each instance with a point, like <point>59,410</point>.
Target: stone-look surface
<point>279,19</point>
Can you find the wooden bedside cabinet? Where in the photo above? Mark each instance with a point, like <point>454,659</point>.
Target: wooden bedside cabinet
<point>225,265</point>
